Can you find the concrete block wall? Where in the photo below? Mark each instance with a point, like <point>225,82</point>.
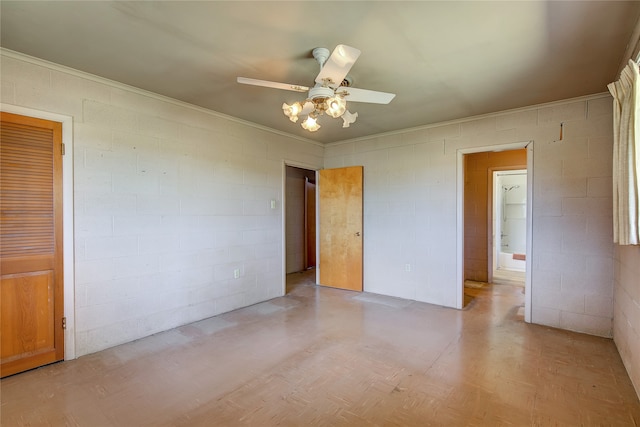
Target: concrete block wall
<point>410,208</point>
<point>626,316</point>
<point>170,200</point>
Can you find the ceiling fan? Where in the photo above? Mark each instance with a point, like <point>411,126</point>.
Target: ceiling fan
<point>331,91</point>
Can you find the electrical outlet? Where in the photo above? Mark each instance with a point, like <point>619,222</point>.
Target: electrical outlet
<point>407,267</point>
<point>236,273</point>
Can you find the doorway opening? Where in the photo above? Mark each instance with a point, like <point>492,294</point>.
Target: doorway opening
<point>475,213</point>
<point>300,226</point>
<point>509,237</point>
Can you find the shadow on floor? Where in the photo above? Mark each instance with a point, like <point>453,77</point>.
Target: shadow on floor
<point>301,278</point>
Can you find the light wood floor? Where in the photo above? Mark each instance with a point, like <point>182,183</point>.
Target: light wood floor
<point>324,357</point>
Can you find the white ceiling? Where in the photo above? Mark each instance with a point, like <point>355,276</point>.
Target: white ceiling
<point>443,60</point>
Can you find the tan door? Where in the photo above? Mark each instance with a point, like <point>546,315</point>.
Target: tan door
<point>340,198</point>
<point>31,304</point>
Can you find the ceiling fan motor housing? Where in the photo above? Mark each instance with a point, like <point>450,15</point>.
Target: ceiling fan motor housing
<point>320,92</point>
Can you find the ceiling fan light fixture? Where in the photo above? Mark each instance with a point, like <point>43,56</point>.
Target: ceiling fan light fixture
<point>311,124</point>
<point>307,107</point>
<point>336,106</point>
<point>329,94</point>
<point>292,111</point>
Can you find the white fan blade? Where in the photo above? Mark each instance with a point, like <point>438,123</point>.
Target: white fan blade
<point>364,95</point>
<point>338,65</point>
<point>265,83</point>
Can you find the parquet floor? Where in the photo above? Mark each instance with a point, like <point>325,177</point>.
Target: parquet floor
<point>325,357</point>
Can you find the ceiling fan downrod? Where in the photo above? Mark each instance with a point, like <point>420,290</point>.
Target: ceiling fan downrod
<point>321,54</point>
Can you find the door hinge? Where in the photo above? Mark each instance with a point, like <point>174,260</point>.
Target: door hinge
<point>63,150</point>
<point>64,323</point>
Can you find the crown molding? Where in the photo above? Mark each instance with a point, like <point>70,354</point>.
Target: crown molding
<point>92,77</point>
<point>472,118</point>
<point>113,83</point>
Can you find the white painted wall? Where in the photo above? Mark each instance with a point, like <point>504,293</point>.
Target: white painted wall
<point>410,208</point>
<point>626,324</point>
<point>169,200</point>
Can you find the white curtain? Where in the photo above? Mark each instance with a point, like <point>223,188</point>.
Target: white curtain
<point>626,156</point>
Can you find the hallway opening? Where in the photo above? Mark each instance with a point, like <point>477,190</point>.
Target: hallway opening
<point>300,219</point>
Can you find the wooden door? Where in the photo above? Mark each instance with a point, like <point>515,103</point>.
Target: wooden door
<point>340,198</point>
<point>31,297</point>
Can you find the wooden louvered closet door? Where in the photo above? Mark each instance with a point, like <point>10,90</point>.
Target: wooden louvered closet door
<point>31,301</point>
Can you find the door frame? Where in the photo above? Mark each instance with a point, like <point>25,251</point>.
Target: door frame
<point>460,219</point>
<point>67,218</point>
<point>283,210</point>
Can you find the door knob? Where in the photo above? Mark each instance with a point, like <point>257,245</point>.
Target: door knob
<point>357,233</point>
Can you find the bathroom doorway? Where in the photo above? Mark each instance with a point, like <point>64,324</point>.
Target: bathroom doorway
<point>509,237</point>
<point>475,167</point>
